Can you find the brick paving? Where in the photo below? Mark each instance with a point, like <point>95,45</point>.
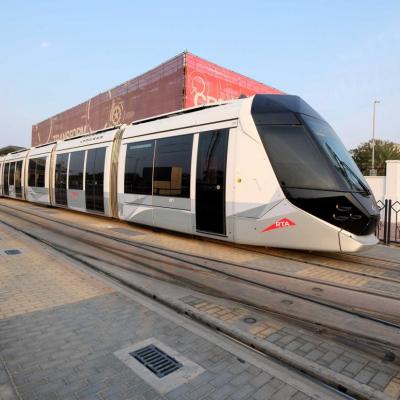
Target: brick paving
<point>380,375</point>
<point>59,328</point>
<point>52,316</point>
<point>19,271</point>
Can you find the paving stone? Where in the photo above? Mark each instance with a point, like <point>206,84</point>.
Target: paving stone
<point>284,393</point>
<point>260,380</point>
<point>314,355</point>
<point>307,347</point>
<point>151,395</point>
<point>203,378</point>
<point>381,380</point>
<point>365,375</point>
<point>241,379</point>
<point>330,356</point>
<point>179,392</point>
<point>238,368</point>
<point>253,370</point>
<point>337,365</point>
<point>294,345</point>
<point>265,392</point>
<point>286,340</point>
<point>223,392</point>
<point>222,379</point>
<point>91,391</point>
<point>243,392</point>
<point>200,392</point>
<point>277,383</point>
<point>354,367</point>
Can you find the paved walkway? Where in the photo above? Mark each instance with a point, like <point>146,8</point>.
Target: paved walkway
<point>63,334</point>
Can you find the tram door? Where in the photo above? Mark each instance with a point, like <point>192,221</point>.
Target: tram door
<point>60,181</point>
<point>94,178</point>
<point>210,181</point>
<point>18,179</point>
<point>5,179</point>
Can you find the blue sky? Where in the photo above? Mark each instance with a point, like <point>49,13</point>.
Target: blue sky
<point>338,55</point>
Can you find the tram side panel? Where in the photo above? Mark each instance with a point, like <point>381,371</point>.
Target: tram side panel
<point>256,189</point>
<point>177,180</point>
<point>135,168</point>
<point>155,179</point>
<point>38,175</point>
<point>173,180</point>
<point>81,173</point>
<point>14,174</point>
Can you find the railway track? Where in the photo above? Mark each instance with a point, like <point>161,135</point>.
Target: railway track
<point>357,265</point>
<point>389,291</point>
<point>376,333</point>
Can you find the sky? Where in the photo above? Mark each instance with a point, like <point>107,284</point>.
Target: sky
<point>337,55</point>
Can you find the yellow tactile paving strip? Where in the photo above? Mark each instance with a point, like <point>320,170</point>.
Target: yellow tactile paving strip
<point>393,388</point>
<point>220,312</point>
<point>333,276</point>
<point>37,279</point>
<point>228,314</point>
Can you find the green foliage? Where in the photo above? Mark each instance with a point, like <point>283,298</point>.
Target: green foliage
<point>384,150</point>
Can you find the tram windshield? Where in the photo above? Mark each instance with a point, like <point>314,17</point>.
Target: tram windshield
<point>296,156</point>
<point>338,154</point>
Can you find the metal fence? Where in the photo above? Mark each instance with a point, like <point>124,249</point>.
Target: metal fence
<point>388,229</point>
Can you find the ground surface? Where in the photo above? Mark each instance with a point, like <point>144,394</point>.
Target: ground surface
<point>60,326</point>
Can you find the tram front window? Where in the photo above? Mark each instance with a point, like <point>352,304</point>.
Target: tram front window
<point>296,158</point>
<point>311,156</point>
<point>337,153</point>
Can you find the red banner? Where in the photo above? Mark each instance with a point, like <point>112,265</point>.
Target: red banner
<point>184,81</point>
<point>208,83</point>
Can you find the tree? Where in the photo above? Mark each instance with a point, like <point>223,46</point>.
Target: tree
<point>384,150</point>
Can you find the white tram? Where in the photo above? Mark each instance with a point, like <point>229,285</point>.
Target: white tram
<point>265,170</point>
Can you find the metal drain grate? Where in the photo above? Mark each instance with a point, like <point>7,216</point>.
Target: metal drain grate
<point>158,362</point>
<point>12,252</point>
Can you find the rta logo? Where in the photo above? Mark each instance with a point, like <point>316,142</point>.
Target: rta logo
<point>116,113</point>
<point>282,223</point>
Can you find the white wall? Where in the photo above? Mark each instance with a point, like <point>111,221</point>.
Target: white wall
<point>393,180</point>
<point>386,187</point>
<point>378,186</point>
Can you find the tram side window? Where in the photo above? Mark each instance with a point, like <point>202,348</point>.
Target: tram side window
<point>172,166</point>
<point>139,167</point>
<point>18,178</point>
<point>32,173</point>
<point>40,172</point>
<point>37,172</point>
<point>12,173</point>
<point>76,164</point>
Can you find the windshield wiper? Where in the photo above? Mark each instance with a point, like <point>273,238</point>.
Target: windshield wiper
<point>345,169</point>
<point>360,182</point>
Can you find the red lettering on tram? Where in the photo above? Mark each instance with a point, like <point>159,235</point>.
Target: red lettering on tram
<point>282,223</point>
